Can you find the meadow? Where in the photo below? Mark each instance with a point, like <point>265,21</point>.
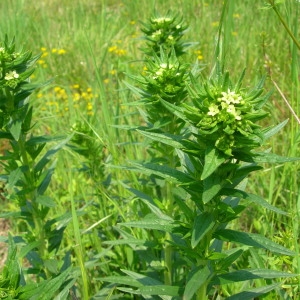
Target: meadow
<point>108,220</point>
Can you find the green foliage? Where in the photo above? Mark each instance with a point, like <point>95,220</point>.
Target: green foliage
<point>164,32</point>
<point>206,167</point>
<point>136,232</point>
<point>27,172</point>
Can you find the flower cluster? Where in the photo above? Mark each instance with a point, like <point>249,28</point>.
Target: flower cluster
<point>165,32</point>
<point>45,52</point>
<point>58,98</point>
<point>224,116</point>
<point>165,78</point>
<point>115,49</point>
<point>15,69</point>
<point>8,75</point>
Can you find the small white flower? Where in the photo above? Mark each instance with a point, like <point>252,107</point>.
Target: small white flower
<point>11,75</point>
<point>156,33</point>
<point>2,49</point>
<point>230,97</point>
<point>231,109</point>
<point>163,65</point>
<point>213,110</point>
<point>161,20</point>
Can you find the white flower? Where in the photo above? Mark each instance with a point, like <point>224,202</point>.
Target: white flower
<point>161,20</point>
<point>213,110</point>
<point>156,33</point>
<point>230,97</point>
<point>231,109</point>
<point>11,75</point>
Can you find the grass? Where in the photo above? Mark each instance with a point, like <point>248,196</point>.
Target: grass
<point>87,49</point>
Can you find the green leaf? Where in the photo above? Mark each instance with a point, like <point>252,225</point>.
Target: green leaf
<point>198,278</point>
<point>262,157</point>
<point>46,289</point>
<point>144,280</point>
<point>211,187</point>
<point>132,241</point>
<point>14,128</point>
<point>175,109</point>
<point>170,174</point>
<point>12,269</point>
<point>45,201</point>
<point>48,155</point>
<point>165,138</point>
<point>152,221</point>
<point>269,132</point>
<point>213,159</point>
<point>252,198</point>
<point>203,223</point>
<point>26,249</point>
<point>150,203</point>
<point>45,179</point>
<point>254,293</point>
<point>262,202</point>
<point>231,258</point>
<point>251,239</point>
<point>14,177</point>
<point>159,290</point>
<point>249,274</point>
<point>123,280</point>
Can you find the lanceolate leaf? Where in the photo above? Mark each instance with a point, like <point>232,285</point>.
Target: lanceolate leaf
<point>273,130</point>
<point>150,203</point>
<point>272,158</point>
<point>254,293</point>
<point>168,139</point>
<point>252,198</point>
<point>249,274</point>
<point>46,289</point>
<point>202,225</point>
<point>198,278</point>
<point>151,221</point>
<point>213,159</point>
<point>211,187</point>
<point>159,290</point>
<point>175,109</point>
<point>170,174</point>
<point>251,239</point>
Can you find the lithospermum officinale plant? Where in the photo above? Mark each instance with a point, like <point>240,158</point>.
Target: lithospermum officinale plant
<point>185,241</point>
<point>26,176</point>
<point>166,32</point>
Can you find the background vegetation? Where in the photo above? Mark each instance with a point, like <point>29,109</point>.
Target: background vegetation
<point>87,47</point>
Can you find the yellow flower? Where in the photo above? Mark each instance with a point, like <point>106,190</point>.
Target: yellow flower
<point>112,49</point>
<point>61,51</point>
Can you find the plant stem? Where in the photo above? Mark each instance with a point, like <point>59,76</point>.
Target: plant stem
<point>288,30</point>
<point>201,293</point>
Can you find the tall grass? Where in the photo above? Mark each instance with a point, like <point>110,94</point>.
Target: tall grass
<point>100,42</point>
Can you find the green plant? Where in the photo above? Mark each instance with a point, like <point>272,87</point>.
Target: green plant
<point>184,238</point>
<point>26,172</point>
